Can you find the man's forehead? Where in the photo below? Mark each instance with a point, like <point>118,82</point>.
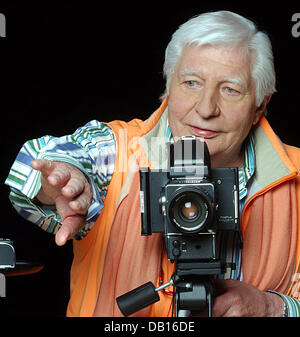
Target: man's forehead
<point>231,63</point>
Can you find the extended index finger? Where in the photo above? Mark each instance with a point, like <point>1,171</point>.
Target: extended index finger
<point>56,173</point>
<point>70,226</point>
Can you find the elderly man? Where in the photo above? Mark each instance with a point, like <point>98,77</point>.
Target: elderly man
<point>220,77</point>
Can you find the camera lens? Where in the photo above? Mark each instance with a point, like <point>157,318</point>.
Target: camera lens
<point>190,211</point>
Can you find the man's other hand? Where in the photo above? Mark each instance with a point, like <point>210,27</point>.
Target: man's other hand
<point>239,299</point>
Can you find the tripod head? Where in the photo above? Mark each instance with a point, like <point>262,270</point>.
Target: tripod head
<point>193,289</point>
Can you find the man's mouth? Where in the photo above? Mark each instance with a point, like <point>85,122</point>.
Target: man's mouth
<point>203,133</point>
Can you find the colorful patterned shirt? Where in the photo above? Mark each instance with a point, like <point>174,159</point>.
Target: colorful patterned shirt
<point>91,149</point>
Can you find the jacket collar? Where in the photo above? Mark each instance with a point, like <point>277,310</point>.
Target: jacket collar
<point>272,162</point>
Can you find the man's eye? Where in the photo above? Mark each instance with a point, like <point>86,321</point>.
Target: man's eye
<point>231,91</point>
<point>191,84</point>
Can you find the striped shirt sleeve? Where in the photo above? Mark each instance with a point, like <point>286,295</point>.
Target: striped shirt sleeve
<point>292,305</point>
<point>92,149</point>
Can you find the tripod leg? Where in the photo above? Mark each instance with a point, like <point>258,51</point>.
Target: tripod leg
<point>175,304</point>
<point>191,295</point>
<point>194,295</point>
<point>176,310</point>
<point>209,301</point>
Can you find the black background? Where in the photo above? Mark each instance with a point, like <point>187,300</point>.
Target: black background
<point>63,64</point>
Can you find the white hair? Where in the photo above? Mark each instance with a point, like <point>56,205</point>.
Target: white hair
<point>228,29</point>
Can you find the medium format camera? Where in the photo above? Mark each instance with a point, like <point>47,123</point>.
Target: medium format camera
<point>189,201</point>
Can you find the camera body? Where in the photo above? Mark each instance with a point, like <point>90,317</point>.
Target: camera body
<point>189,201</point>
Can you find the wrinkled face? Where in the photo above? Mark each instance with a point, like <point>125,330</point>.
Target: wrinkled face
<point>212,96</point>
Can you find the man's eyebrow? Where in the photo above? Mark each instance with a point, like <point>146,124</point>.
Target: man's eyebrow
<point>235,80</point>
<point>188,71</point>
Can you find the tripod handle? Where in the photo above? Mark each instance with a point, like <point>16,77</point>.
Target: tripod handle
<point>140,297</point>
<point>137,299</point>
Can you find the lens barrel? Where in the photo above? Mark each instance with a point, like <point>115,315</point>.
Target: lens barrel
<point>190,211</point>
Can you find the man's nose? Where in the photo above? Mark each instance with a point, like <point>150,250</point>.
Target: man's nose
<point>207,103</point>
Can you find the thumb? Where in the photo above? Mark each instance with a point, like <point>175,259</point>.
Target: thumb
<point>69,228</point>
<point>71,221</point>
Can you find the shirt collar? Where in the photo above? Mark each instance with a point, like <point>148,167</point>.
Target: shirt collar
<point>248,167</point>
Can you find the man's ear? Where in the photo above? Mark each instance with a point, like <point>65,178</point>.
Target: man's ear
<point>261,109</point>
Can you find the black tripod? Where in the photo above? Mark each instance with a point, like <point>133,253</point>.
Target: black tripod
<point>193,289</point>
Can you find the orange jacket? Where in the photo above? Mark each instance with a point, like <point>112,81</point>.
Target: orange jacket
<point>114,258</point>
